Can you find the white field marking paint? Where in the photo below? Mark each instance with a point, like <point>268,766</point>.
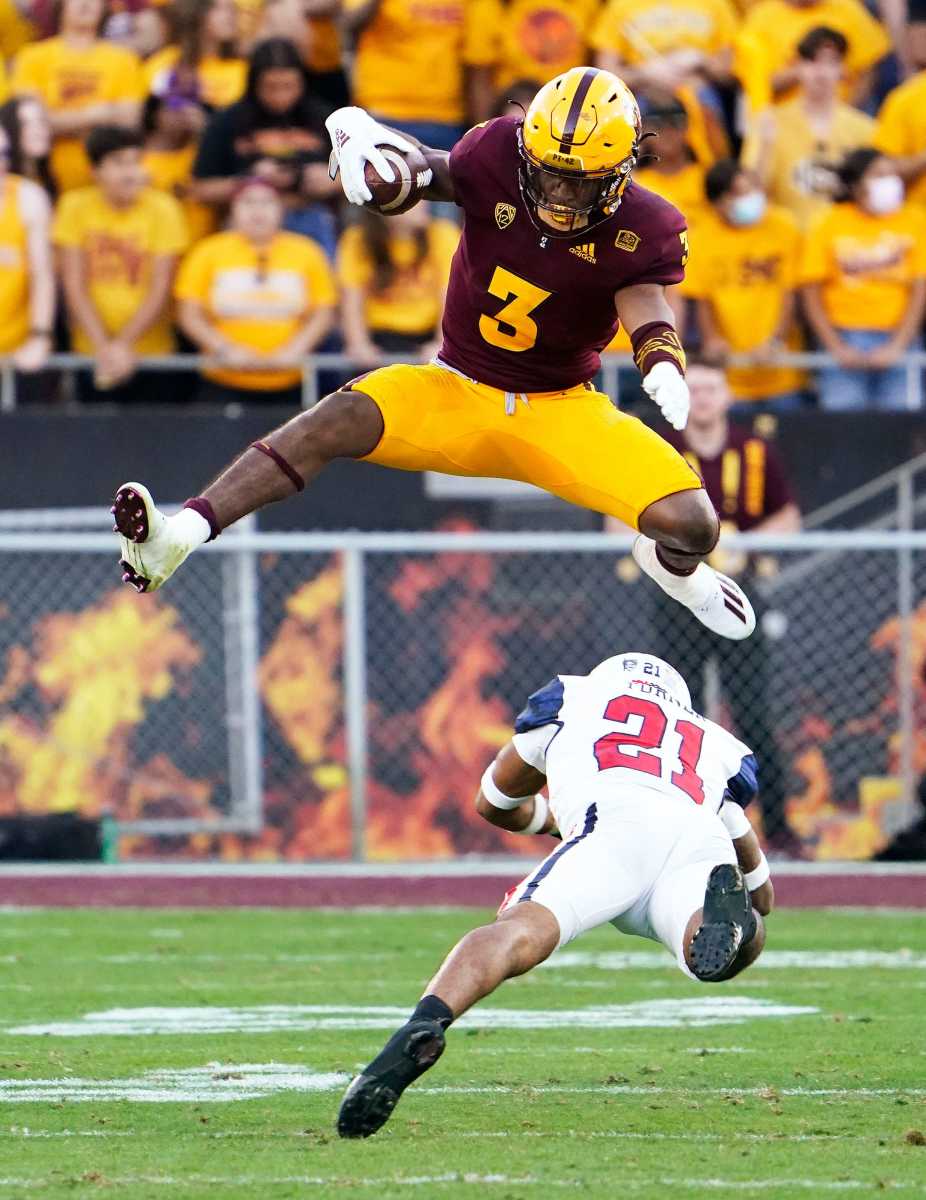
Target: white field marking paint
<point>627,1089</point>
<point>25,1132</point>
<point>626,1135</point>
<point>215,1083</point>
<point>823,960</point>
<point>705,1050</point>
<point>319,1181</point>
<point>646,1014</point>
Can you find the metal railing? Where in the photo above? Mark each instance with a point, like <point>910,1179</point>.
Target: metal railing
<point>859,589</point>
<point>611,366</point>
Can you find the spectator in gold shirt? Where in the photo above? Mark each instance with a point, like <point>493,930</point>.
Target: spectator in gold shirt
<point>84,83</point>
<point>393,273</point>
<point>765,58</point>
<point>119,242</point>
<point>412,63</point>
<point>534,40</point>
<point>255,296</point>
<point>901,131</point>
<point>795,147</point>
<point>741,275</point>
<point>863,272</point>
<point>669,166</point>
<point>27,284</point>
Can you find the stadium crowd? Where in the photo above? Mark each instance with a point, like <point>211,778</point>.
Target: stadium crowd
<point>164,179</point>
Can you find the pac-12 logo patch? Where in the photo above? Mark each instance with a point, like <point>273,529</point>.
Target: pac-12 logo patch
<point>504,214</point>
<point>627,240</point>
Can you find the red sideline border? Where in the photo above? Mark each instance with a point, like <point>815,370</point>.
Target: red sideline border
<point>350,885</point>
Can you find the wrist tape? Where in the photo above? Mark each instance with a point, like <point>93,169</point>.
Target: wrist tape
<point>539,819</point>
<point>495,796</point>
<point>755,879</point>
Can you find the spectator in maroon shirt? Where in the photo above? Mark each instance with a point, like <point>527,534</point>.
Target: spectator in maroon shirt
<point>747,484</point>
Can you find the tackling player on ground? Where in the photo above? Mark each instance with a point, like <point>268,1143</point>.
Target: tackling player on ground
<point>648,797</point>
<point>557,245</point>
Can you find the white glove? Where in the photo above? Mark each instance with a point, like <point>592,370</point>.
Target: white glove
<point>664,385</point>
<point>354,138</point>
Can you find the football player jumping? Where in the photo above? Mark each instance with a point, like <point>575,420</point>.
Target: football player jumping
<point>558,246</point>
<point>648,796</point>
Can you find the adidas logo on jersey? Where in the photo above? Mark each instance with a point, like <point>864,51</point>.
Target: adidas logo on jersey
<point>586,252</point>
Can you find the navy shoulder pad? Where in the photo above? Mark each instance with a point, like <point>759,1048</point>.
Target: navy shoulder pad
<point>744,785</point>
<point>542,707</point>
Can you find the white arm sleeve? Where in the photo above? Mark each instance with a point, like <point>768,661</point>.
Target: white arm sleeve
<point>735,819</point>
<point>532,746</point>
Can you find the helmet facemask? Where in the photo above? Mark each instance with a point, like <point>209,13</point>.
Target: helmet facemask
<point>574,200</point>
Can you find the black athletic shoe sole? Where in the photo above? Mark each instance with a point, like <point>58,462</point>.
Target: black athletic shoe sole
<point>371,1097</point>
<point>728,923</point>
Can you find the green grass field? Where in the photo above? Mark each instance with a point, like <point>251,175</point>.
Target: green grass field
<point>804,1075</point>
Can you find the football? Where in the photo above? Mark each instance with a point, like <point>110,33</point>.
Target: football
<point>412,176</point>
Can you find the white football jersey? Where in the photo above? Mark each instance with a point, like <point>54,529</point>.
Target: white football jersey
<point>625,735</point>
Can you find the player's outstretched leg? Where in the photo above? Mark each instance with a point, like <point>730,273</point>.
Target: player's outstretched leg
<point>677,532</point>
<point>520,938</point>
<point>346,424</point>
<point>728,934</point>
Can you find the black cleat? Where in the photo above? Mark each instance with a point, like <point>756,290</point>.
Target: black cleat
<point>727,925</point>
<point>371,1097</point>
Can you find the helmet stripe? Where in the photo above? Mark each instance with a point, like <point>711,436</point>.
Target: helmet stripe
<point>575,108</point>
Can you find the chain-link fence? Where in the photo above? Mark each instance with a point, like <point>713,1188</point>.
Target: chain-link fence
<point>327,696</point>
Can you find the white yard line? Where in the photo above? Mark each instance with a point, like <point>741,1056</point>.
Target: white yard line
<point>267,1018</point>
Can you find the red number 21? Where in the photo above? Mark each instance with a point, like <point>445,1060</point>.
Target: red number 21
<point>629,749</point>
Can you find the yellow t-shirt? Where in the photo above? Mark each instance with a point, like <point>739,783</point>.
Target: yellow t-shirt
<point>221,80</point>
<point>119,247</point>
<point>257,299</point>
<point>684,189</point>
<point>66,78</point>
<point>538,39</point>
<point>746,275</point>
<point>865,264</point>
<point>15,30</point>
<point>412,303</point>
<point>171,171</point>
<point>901,129</point>
<point>409,59</point>
<point>772,29</point>
<point>798,157</point>
<point>14,267</point>
<point>640,29</point>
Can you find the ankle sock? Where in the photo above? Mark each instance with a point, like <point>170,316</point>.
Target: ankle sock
<point>679,572</point>
<point>197,521</point>
<point>432,1008</point>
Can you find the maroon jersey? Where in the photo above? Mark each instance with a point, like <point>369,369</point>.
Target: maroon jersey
<point>746,481</point>
<point>529,312</point>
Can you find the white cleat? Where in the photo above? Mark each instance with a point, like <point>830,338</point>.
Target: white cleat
<point>715,599</point>
<point>152,547</point>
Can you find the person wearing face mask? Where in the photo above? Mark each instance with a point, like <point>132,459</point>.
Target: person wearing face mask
<point>863,276</point>
<point>742,279</point>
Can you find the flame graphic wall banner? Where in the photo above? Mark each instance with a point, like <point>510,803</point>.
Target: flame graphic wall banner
<point>110,702</point>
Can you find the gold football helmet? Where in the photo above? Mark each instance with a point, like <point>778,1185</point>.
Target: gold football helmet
<point>579,141</point>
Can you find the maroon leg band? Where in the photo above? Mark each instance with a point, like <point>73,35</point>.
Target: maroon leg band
<point>673,569</point>
<point>205,510</point>
<point>295,478</point>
